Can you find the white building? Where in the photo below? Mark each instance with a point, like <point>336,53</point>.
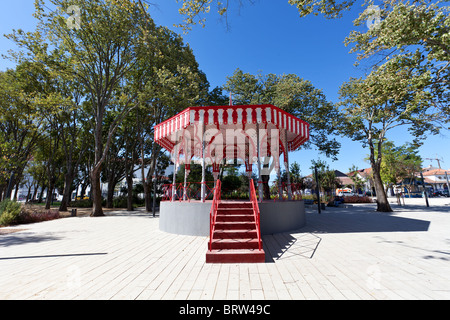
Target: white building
<point>438,178</point>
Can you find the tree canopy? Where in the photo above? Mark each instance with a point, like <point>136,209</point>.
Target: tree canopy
<point>105,71</point>
<point>294,95</point>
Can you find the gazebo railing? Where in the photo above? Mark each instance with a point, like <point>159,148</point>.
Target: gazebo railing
<point>213,212</point>
<point>192,191</point>
<point>256,213</point>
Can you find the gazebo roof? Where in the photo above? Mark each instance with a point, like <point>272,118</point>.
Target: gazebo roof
<point>212,121</point>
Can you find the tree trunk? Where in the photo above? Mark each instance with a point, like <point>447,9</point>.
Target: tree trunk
<point>83,189</point>
<point>9,188</point>
<point>67,191</point>
<point>16,190</point>
<point>148,197</point>
<point>28,193</point>
<point>51,187</point>
<point>96,192</point>
<point>147,182</point>
<point>110,195</point>
<point>266,188</point>
<point>41,194</point>
<point>36,186</point>
<point>130,191</point>
<point>129,163</point>
<point>382,200</point>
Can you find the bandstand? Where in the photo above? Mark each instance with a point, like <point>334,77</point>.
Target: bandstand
<point>252,135</point>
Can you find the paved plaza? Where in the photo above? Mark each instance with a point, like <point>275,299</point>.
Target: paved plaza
<point>343,253</point>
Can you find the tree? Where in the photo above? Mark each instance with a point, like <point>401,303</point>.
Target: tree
<point>112,36</point>
<point>295,173</point>
<point>294,95</point>
<point>173,83</point>
<point>327,177</point>
<point>412,35</point>
<point>353,174</point>
<point>400,163</point>
<point>408,86</point>
<point>385,99</point>
<point>216,98</point>
<point>20,121</point>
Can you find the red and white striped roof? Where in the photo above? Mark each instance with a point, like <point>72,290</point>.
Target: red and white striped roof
<point>234,117</point>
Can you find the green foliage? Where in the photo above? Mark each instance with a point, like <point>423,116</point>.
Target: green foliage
<point>195,175</point>
<point>353,174</point>
<point>326,176</point>
<point>120,202</point>
<point>82,203</point>
<point>80,89</point>
<point>329,8</point>
<point>294,95</point>
<point>412,40</point>
<point>9,212</point>
<point>295,173</point>
<point>231,183</point>
<point>399,162</point>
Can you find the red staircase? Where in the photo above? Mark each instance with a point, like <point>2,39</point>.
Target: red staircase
<point>235,233</point>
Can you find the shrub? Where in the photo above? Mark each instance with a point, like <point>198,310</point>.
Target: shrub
<point>9,212</point>
<point>120,202</point>
<point>83,203</point>
<point>357,199</point>
<point>31,215</point>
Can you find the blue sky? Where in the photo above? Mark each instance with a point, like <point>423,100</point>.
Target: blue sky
<point>267,37</point>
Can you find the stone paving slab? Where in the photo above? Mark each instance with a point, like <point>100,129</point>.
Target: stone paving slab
<point>343,253</point>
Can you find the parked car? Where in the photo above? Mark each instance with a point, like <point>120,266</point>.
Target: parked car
<point>345,193</point>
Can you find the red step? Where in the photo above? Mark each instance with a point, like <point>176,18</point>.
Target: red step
<point>235,256</point>
<point>235,217</point>
<point>234,225</point>
<point>250,243</point>
<point>235,204</point>
<point>234,234</point>
<point>232,211</point>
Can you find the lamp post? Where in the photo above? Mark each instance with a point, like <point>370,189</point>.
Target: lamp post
<point>317,189</point>
<point>448,185</point>
<point>154,195</point>
<point>424,190</point>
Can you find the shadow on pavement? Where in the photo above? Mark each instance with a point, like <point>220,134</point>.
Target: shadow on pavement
<point>24,238</point>
<point>360,219</point>
<point>305,241</point>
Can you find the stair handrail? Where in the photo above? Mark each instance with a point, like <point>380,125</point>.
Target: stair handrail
<point>256,213</point>
<point>213,212</point>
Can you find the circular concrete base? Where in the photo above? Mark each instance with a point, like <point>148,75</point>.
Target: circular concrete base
<point>282,216</point>
<point>192,218</point>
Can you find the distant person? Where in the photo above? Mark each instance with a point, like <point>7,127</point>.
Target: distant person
<point>398,194</point>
